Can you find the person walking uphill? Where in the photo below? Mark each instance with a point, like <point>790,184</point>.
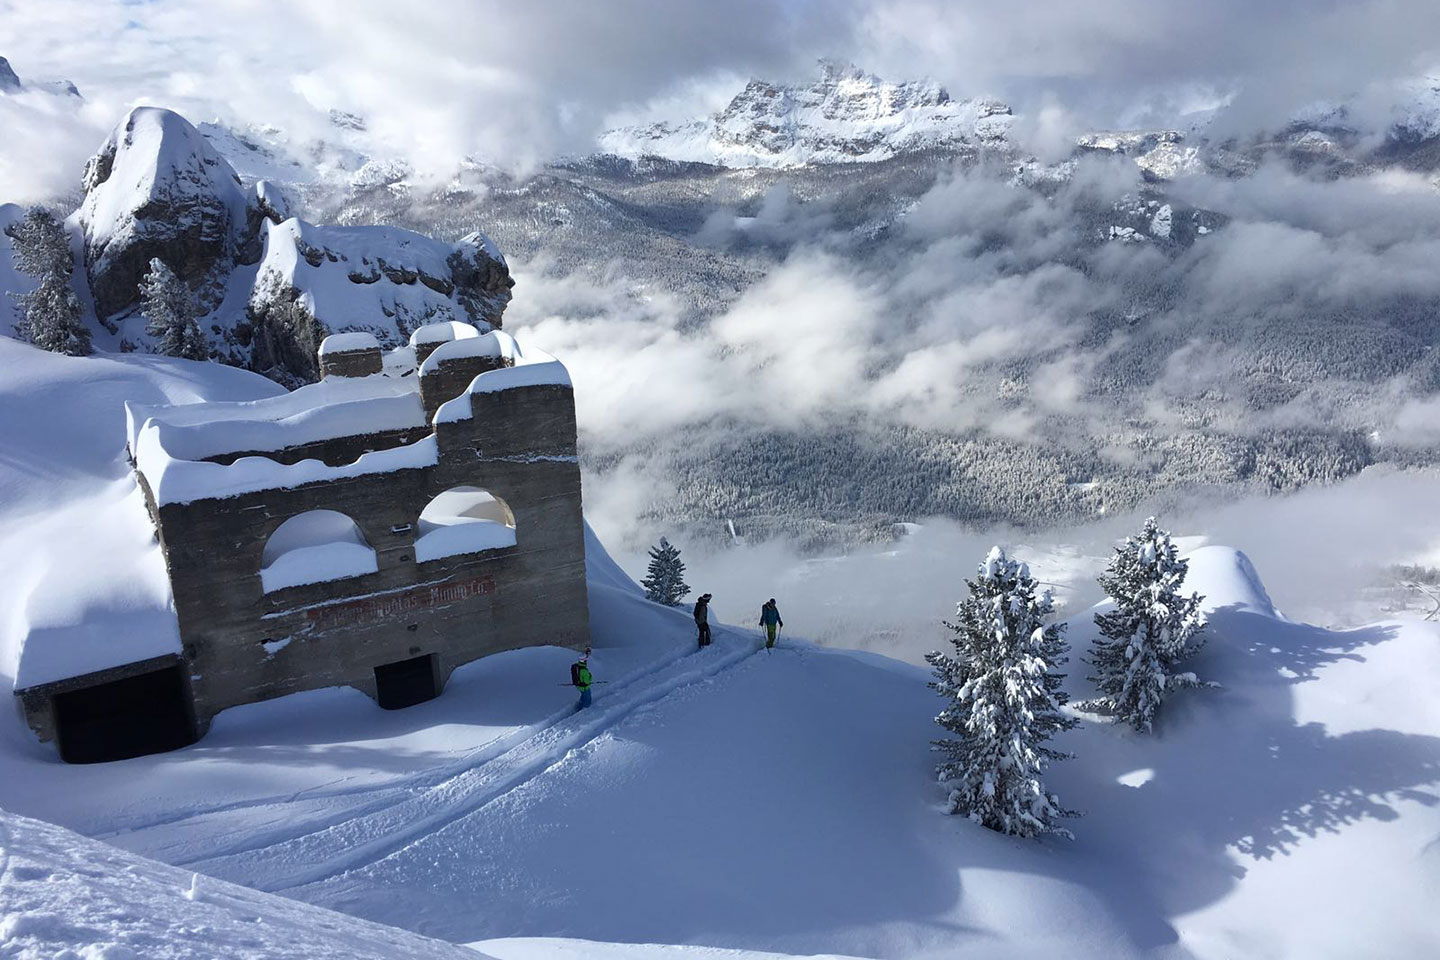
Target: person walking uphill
<point>770,620</point>
<point>702,618</point>
<point>580,677</point>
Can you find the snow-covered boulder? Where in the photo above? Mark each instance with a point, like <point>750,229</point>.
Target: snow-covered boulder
<point>846,116</point>
<point>156,188</point>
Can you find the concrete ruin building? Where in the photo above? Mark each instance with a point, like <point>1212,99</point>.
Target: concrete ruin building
<point>411,512</point>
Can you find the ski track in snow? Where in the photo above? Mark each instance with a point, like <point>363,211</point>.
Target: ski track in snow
<point>374,822</point>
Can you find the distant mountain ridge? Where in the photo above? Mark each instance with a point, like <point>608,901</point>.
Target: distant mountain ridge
<point>10,83</point>
<point>847,115</point>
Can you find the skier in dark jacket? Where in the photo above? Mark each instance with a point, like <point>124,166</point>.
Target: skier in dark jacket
<point>702,618</point>
<point>770,620</point>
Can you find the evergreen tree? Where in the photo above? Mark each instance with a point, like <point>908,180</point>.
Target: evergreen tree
<point>665,580</point>
<point>51,316</point>
<point>1152,628</point>
<point>1004,702</point>
<point>170,311</point>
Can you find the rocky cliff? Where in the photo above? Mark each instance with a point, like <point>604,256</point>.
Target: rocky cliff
<point>268,282</point>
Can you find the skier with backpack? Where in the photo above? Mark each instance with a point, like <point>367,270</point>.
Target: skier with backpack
<point>580,677</point>
<point>770,621</point>
<point>702,619</point>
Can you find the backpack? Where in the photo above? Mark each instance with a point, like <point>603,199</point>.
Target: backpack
<point>575,673</point>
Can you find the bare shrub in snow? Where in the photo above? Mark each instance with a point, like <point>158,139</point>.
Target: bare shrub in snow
<point>1004,701</point>
<point>1151,630</point>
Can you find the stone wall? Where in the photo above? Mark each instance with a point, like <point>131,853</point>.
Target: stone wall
<point>352,363</point>
<point>335,452</point>
<point>243,644</point>
<point>453,378</point>
<point>459,608</point>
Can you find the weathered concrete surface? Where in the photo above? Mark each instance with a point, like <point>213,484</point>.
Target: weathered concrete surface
<point>459,608</point>
<point>452,378</point>
<point>352,363</point>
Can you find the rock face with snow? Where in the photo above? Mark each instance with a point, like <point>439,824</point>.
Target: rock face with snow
<point>846,116</point>
<point>156,188</point>
<point>384,280</point>
<point>1160,154</point>
<point>272,285</point>
<point>9,83</point>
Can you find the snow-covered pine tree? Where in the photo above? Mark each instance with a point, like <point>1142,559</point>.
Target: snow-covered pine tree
<point>665,580</point>
<point>1004,702</point>
<point>50,315</point>
<point>1150,631</point>
<point>170,311</point>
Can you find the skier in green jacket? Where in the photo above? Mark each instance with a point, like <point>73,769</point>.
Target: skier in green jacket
<point>770,620</point>
<point>580,677</point>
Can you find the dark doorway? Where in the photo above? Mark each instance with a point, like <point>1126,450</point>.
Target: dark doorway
<point>147,713</point>
<point>407,682</point>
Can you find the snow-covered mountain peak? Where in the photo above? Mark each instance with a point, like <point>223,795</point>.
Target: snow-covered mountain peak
<point>847,115</point>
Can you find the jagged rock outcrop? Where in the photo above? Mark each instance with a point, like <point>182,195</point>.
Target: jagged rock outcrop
<point>847,115</point>
<point>272,284</point>
<point>9,82</point>
<point>156,188</point>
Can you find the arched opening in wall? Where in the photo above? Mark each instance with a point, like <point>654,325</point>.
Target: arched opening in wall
<point>463,520</point>
<point>314,547</point>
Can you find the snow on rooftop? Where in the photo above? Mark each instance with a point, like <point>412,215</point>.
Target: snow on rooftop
<point>92,617</point>
<point>442,332</point>
<point>492,344</point>
<point>348,342</point>
<point>176,480</point>
<point>533,368</point>
<point>348,419</point>
<point>333,391</point>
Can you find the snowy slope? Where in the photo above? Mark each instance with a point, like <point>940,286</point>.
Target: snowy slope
<point>846,116</point>
<point>87,583</point>
<point>63,896</point>
<point>729,798</point>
